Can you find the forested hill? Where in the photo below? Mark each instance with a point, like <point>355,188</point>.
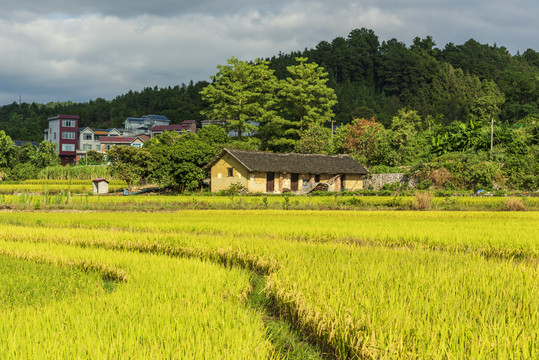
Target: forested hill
<point>370,77</point>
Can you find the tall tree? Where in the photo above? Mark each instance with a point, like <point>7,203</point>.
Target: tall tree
<point>7,151</point>
<point>305,101</point>
<point>130,163</point>
<point>240,92</point>
<point>361,137</point>
<point>315,140</point>
<point>45,155</point>
<point>178,159</point>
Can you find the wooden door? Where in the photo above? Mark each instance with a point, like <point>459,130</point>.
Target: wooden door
<point>270,182</point>
<point>294,178</point>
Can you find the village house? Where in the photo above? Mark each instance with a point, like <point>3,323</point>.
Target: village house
<point>143,125</point>
<point>187,126</point>
<point>89,139</point>
<point>107,142</point>
<point>265,172</point>
<point>232,133</point>
<point>62,131</point>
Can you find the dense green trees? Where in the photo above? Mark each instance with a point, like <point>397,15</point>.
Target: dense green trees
<point>21,163</point>
<point>178,159</point>
<point>245,92</point>
<point>382,77</point>
<point>7,151</point>
<point>304,101</point>
<point>94,158</point>
<point>45,155</point>
<point>396,104</point>
<point>130,163</point>
<point>241,93</point>
<point>26,121</point>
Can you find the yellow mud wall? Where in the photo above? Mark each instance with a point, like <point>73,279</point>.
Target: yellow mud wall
<point>219,174</point>
<point>353,182</point>
<point>257,183</point>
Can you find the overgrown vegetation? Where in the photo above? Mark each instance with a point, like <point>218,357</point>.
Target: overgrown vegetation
<point>465,116</point>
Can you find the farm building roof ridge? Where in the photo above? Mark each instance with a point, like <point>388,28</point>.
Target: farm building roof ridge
<point>258,161</point>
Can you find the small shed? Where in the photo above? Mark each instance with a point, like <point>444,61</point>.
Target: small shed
<point>100,186</point>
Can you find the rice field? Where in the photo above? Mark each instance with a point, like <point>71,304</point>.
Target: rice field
<point>78,196</point>
<point>353,284</point>
<point>46,187</point>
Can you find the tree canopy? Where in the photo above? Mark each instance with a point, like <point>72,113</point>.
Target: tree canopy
<point>130,163</point>
<point>241,92</point>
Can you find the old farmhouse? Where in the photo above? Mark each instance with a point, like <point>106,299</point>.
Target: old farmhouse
<point>276,173</point>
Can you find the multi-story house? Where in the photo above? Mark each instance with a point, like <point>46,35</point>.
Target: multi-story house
<point>107,142</point>
<point>142,126</point>
<point>187,126</point>
<point>89,139</point>
<point>233,133</point>
<point>63,132</point>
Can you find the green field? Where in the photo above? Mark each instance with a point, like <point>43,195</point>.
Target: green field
<point>353,284</point>
<point>58,197</point>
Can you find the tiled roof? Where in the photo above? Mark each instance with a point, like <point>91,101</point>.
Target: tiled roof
<point>157,117</point>
<point>170,127</point>
<point>116,139</point>
<point>133,119</point>
<point>64,116</point>
<point>257,161</point>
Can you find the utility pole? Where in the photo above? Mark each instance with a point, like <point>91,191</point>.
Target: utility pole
<point>491,133</point>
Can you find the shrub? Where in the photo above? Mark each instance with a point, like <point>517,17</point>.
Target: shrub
<point>235,189</point>
<point>384,169</point>
<point>354,201</point>
<point>422,200</point>
<point>424,185</point>
<point>439,177</point>
<point>514,204</point>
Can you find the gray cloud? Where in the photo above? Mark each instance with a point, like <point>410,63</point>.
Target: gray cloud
<point>78,50</point>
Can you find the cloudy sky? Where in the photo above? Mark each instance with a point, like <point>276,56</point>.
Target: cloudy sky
<point>79,50</point>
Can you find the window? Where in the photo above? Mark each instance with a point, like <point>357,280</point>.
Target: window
<point>230,172</point>
<point>137,145</point>
<point>87,136</point>
<point>54,136</point>
<point>317,178</point>
<point>68,147</point>
<point>86,147</point>
<point>96,137</point>
<point>68,123</point>
<point>68,135</point>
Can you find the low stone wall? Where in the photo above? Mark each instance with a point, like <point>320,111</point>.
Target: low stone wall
<point>376,181</point>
